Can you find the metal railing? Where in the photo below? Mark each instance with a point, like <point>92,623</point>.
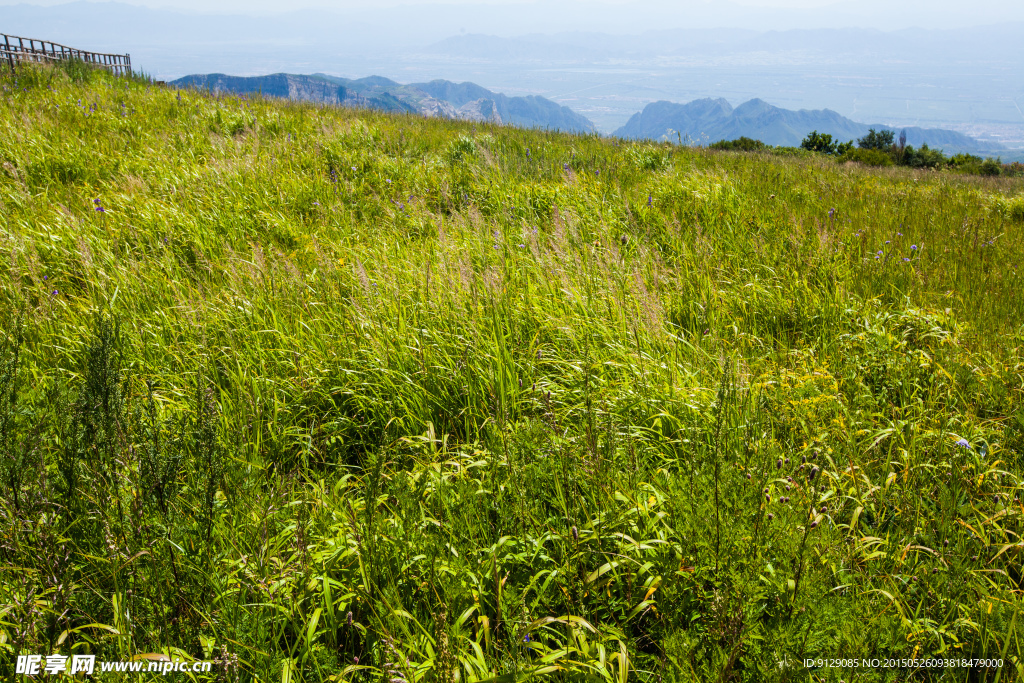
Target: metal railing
<point>14,50</point>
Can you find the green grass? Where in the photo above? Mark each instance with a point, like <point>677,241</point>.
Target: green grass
<point>333,394</point>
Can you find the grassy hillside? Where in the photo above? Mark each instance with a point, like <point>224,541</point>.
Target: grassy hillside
<point>333,393</point>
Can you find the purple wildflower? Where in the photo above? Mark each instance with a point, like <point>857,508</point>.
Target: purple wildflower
<point>913,247</point>
<point>964,443</point>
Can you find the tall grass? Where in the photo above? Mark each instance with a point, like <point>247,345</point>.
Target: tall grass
<point>334,394</point>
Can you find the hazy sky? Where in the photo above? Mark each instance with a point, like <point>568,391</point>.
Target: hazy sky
<point>988,7</point>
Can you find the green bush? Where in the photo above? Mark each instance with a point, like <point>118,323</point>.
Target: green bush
<point>868,156</point>
<point>819,142</point>
<point>741,144</point>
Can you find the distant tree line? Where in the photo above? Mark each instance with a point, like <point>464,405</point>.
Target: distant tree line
<point>882,148</point>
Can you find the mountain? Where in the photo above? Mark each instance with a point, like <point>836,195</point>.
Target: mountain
<point>530,111</point>
<point>438,98</point>
<point>709,120</point>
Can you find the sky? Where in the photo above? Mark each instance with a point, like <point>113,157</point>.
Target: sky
<point>951,7</point>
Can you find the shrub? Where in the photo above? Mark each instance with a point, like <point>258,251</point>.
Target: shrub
<point>1016,169</point>
<point>924,157</point>
<point>741,144</point>
<point>869,157</point>
<point>819,142</point>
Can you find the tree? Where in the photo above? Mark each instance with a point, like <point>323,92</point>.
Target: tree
<point>819,142</point>
<point>882,139</point>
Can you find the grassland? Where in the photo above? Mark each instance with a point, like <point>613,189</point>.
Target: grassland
<point>332,394</point>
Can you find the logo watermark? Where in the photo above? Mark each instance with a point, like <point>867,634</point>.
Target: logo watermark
<point>34,665</point>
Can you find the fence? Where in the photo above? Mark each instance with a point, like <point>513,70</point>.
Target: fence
<point>15,50</point>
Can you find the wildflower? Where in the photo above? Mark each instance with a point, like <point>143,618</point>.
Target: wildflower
<point>316,203</point>
<point>770,516</point>
<point>526,638</point>
<point>355,660</point>
<point>101,209</point>
<point>649,199</point>
<point>913,247</point>
<point>905,258</point>
<point>521,245</point>
<point>814,472</point>
<point>388,181</point>
<point>575,534</point>
<point>96,201</point>
<point>964,443</point>
<point>348,619</point>
<point>353,168</point>
<point>54,293</point>
<point>565,167</point>
<point>887,241</point>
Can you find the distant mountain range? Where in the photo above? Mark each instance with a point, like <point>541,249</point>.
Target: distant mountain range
<point>443,99</point>
<point>700,121</point>
<point>710,120</point>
